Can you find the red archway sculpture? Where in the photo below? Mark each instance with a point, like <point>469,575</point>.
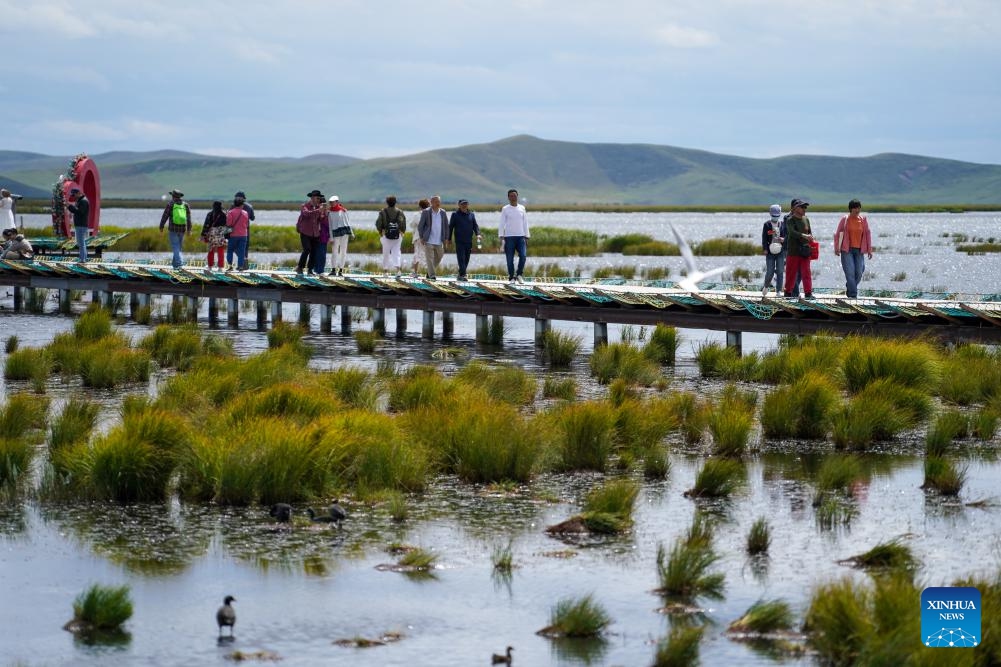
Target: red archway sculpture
<point>83,175</point>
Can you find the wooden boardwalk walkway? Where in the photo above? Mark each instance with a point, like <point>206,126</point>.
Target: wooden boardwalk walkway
<point>716,307</point>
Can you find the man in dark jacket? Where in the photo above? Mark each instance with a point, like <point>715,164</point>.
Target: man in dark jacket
<point>80,208</point>
<point>178,214</point>
<point>463,225</point>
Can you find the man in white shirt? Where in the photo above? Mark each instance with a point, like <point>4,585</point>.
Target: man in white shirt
<point>513,234</point>
<point>433,231</point>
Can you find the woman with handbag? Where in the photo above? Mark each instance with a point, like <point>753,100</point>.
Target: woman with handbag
<point>799,237</point>
<point>214,233</point>
<point>852,240</point>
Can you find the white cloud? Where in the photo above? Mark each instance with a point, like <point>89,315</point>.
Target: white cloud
<point>684,37</point>
<point>222,152</point>
<point>51,18</point>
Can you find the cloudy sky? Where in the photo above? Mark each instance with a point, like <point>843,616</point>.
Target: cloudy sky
<point>373,78</point>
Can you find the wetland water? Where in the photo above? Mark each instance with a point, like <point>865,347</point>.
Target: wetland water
<point>298,591</point>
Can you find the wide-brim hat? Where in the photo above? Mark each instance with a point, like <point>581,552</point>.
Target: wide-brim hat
<point>315,193</point>
<point>175,193</point>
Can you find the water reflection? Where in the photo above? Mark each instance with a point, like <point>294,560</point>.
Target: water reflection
<point>12,520</point>
<point>579,651</point>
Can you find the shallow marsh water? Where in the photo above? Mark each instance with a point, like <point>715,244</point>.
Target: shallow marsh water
<point>297,591</point>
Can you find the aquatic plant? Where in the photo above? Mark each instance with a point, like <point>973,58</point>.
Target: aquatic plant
<point>622,360</point>
<point>730,425</point>
<point>284,333</point>
<point>28,363</point>
<point>586,432</point>
<point>984,423</point>
<point>700,531</point>
<point>725,247</point>
<point>102,608</point>
<point>864,420</point>
<point>680,648</point>
<point>398,508</point>
<point>608,509</point>
<point>21,413</point>
<point>11,344</point>
<point>656,464</point>
<point>74,424</point>
<point>690,414</point>
<point>144,315</point>
<point>104,365</point>
<point>496,330</point>
<point>800,410</point>
<point>502,382</point>
<point>948,426</point>
<point>418,559</point>
<point>503,558</point>
<point>298,401</point>
<point>353,386</point>
<point>838,473</point>
<point>971,374</point>
<point>643,424</point>
<point>560,388</point>
<point>559,348</point>
<point>893,554</point>
<point>417,390</point>
<point>174,346</point>
<point>909,363</point>
<point>944,476</point>
<point>839,621</point>
<point>367,341</point>
<point>581,617</point>
<point>94,324</point>
<point>685,571</point>
<point>718,478</point>
<point>764,617</point>
<point>16,455</point>
<point>663,344</point>
<point>759,538</point>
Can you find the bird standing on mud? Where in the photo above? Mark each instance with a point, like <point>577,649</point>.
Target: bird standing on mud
<point>226,615</point>
<point>505,659</point>
<point>336,515</point>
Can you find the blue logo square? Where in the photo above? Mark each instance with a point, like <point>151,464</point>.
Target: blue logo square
<point>950,617</point>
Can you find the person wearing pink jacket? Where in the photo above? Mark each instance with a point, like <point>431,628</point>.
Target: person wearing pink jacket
<point>239,221</point>
<point>853,243</point>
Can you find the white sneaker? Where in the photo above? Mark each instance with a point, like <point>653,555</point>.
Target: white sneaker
<point>764,291</point>
<point>519,280</point>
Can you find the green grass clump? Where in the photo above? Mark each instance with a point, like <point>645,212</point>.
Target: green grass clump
<point>503,558</point>
<point>174,346</point>
<point>800,410</point>
<point>16,455</point>
<point>726,247</point>
<point>680,648</point>
<point>971,374</point>
<point>690,414</point>
<point>864,420</point>
<point>353,386</point>
<point>718,478</point>
<point>838,473</point>
<point>103,608</point>
<point>92,325</point>
<point>685,571</point>
<point>11,344</point>
<point>948,426</point>
<point>890,555</point>
<point>984,424</point>
<point>839,622</point>
<point>643,424</point>
<point>561,388</point>
<point>418,559</point>
<point>417,389</point>
<point>21,413</point>
<point>74,424</point>
<point>663,344</point>
<point>609,508</point>
<point>730,423</point>
<point>625,361</point>
<point>582,617</point>
<point>764,617</point>
<point>105,365</point>
<point>944,476</point>
<point>285,333</point>
<point>759,538</point>
<point>559,348</point>
<point>367,341</point>
<point>585,435</point>
<point>502,382</point>
<point>718,361</point>
<point>908,363</point>
<point>28,363</point>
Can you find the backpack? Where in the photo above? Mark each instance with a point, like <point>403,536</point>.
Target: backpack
<point>392,231</point>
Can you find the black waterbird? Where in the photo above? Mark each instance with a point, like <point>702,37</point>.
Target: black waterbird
<point>282,512</point>
<point>336,515</point>
<point>502,659</point>
<point>226,615</point>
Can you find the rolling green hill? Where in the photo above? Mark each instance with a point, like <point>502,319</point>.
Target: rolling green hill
<point>554,172</point>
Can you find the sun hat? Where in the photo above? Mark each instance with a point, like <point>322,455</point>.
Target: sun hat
<point>315,193</point>
<point>775,211</point>
<point>176,193</point>
<point>334,198</point>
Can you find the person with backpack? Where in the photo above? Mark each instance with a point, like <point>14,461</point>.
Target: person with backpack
<point>391,224</point>
<point>214,233</point>
<point>308,226</point>
<point>773,237</point>
<point>178,214</point>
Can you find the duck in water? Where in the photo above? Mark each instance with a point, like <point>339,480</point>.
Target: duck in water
<point>502,659</point>
<point>336,515</point>
<point>226,615</point>
<point>282,512</point>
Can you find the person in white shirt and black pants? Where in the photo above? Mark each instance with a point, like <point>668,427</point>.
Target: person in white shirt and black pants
<point>513,233</point>
<point>433,232</point>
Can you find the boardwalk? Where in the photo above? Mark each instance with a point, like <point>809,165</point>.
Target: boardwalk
<point>717,307</point>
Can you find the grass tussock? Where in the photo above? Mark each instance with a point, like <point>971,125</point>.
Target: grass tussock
<point>609,508</point>
<point>503,558</point>
<point>103,608</point>
<point>680,648</point>
<point>585,435</point>
<point>625,361</point>
<point>352,386</point>
<point>419,387</point>
<point>891,555</point>
<point>984,424</point>
<point>559,348</point>
<point>11,344</point>
<point>663,344</point>
<point>908,363</point>
<point>730,423</point>
<point>759,538</point>
<point>944,476</point>
<point>685,571</point>
<point>74,424</point>
<point>718,478</point>
<point>970,374</point>
<point>16,455</point>
<point>564,389</point>
<point>801,410</point>
<point>502,382</point>
<point>715,360</point>
<point>418,559</point>
<point>28,363</point>
<point>367,341</point>
<point>948,426</point>
<point>765,617</point>
<point>581,617</point>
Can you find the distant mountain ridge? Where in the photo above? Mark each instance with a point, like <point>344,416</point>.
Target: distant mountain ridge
<point>552,172</point>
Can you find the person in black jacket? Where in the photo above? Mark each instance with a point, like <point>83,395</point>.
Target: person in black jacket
<point>463,225</point>
<point>773,237</point>
<point>214,234</point>
<point>80,208</point>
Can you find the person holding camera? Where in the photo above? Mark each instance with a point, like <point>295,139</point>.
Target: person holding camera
<point>80,208</point>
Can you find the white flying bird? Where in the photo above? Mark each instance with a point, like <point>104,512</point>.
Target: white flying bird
<point>690,283</point>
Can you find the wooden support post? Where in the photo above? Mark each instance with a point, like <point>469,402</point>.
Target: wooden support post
<point>325,313</point>
<point>18,299</point>
<point>191,312</point>
<point>213,311</point>
<point>427,327</point>
<point>106,299</point>
<point>133,303</point>
<point>276,313</point>
<point>305,314</point>
<point>541,327</point>
<point>379,321</point>
<point>262,315</point>
<point>65,301</point>
<point>482,329</point>
<point>345,319</point>
<point>233,313</point>
<point>600,334</point>
<point>401,322</point>
<point>734,340</point>
<point>447,324</point>
<point>95,296</point>
<point>496,327</point>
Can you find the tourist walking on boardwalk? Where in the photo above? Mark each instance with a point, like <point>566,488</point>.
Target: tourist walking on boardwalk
<point>420,259</point>
<point>433,232</point>
<point>319,263</point>
<point>79,206</point>
<point>773,236</point>
<point>392,224</point>
<point>799,235</point>
<point>308,226</point>
<point>463,226</point>
<point>340,232</point>
<point>238,220</point>
<point>240,199</point>
<point>513,234</point>
<point>852,240</point>
<point>214,234</point>
<point>178,215</point>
